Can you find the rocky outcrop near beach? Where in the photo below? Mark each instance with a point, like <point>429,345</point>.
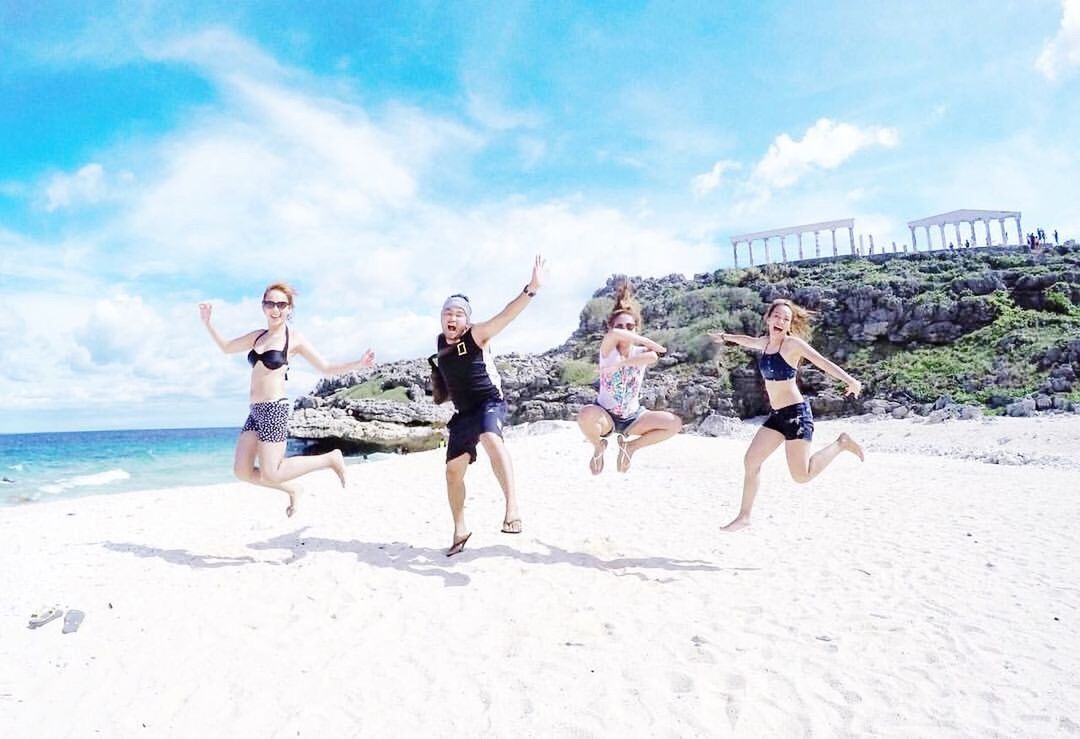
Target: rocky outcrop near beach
<point>942,335</point>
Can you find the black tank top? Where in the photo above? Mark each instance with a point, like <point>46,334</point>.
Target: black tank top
<point>469,372</point>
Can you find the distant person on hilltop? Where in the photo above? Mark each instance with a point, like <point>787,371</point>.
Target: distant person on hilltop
<point>463,369</point>
<point>791,422</point>
<point>624,355</point>
<point>266,430</point>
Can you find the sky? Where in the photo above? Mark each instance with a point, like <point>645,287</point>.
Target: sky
<point>380,156</point>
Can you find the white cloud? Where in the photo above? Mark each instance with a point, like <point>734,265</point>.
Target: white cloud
<point>86,186</point>
<point>491,114</point>
<point>703,184</point>
<point>119,330</point>
<point>825,145</point>
<point>1060,56</point>
<point>282,180</point>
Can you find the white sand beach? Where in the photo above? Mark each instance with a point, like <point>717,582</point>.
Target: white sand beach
<point>931,591</point>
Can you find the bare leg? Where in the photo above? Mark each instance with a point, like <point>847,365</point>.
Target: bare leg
<point>805,468</point>
<point>594,422</point>
<point>278,468</point>
<point>765,442</point>
<point>653,427</point>
<point>244,468</point>
<point>455,494</point>
<point>503,468</point>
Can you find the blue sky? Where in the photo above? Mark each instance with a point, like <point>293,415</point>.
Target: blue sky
<point>383,155</point>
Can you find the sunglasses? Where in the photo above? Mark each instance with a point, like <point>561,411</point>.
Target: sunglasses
<point>459,295</point>
<point>279,304</point>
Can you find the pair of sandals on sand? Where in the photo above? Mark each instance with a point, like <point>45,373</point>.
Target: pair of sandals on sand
<point>622,464</point>
<point>72,619</point>
<point>513,526</point>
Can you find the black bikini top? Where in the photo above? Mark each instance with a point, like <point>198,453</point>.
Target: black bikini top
<point>272,359</point>
<point>775,367</point>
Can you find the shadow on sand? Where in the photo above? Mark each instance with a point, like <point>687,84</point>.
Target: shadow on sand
<point>423,561</point>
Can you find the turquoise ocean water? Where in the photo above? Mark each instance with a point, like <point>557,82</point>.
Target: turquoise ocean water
<point>51,466</point>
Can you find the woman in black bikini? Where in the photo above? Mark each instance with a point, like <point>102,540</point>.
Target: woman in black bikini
<point>264,433</point>
<point>791,423</point>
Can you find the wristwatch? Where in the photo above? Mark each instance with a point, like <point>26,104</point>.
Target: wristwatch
<point>531,294</point>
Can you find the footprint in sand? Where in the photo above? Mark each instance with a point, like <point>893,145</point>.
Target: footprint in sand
<point>681,682</point>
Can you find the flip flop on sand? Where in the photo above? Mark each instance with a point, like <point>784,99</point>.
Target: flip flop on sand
<point>596,464</point>
<point>623,463</point>
<point>72,621</point>
<point>458,546</point>
<point>513,526</point>
<point>42,616</point>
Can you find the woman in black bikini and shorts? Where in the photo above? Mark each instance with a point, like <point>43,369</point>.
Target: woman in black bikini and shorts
<point>264,433</point>
<point>791,423</point>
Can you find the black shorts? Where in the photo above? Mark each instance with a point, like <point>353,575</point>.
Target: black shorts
<point>465,428</point>
<point>269,420</point>
<point>793,421</point>
<point>619,424</point>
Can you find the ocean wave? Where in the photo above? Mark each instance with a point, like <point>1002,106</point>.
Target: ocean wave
<point>99,478</point>
<point>17,467</point>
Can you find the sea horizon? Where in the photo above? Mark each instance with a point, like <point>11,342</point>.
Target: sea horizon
<point>55,465</point>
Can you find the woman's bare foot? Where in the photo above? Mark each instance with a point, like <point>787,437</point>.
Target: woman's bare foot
<point>337,461</point>
<point>740,522</point>
<point>846,442</point>
<point>596,464</point>
<point>294,496</point>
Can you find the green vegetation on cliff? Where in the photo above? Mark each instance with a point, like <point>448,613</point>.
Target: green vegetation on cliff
<point>980,326</point>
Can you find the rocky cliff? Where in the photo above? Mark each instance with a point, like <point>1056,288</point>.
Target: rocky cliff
<point>945,333</point>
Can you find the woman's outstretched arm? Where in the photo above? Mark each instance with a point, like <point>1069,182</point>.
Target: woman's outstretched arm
<point>750,342</point>
<point>311,354</point>
<point>854,387</point>
<point>231,346</point>
<point>616,335</point>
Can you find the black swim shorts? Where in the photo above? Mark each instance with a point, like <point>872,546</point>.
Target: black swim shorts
<point>793,421</point>
<point>465,428</point>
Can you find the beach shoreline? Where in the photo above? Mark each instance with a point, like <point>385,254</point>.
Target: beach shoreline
<point>921,592</point>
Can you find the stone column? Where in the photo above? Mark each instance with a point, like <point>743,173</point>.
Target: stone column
<point>799,237</point>
<point>871,243</point>
<point>914,244</point>
<point>1019,231</point>
<point>959,237</point>
<point>768,259</point>
<point>735,253</point>
<point>1004,238</point>
<point>817,245</point>
<point>834,242</point>
<point>783,248</point>
<point>986,225</point>
<point>851,237</point>
<point>941,230</point>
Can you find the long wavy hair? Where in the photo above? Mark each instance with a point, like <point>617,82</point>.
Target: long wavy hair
<point>625,304</point>
<point>801,318</point>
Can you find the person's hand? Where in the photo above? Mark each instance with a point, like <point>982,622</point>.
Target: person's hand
<point>718,337</point>
<point>537,273</point>
<point>205,309</point>
<point>853,388</point>
<point>367,360</point>
<point>658,348</point>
